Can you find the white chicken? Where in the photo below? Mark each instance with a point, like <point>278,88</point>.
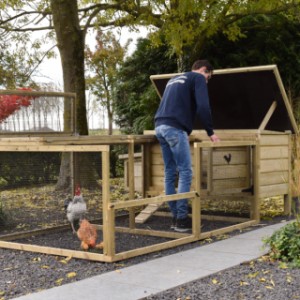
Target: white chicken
<point>75,208</point>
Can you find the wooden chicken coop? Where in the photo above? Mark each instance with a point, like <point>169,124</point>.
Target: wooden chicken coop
<point>254,120</point>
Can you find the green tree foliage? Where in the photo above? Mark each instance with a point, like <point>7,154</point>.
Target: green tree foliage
<point>137,100</point>
<point>267,40</point>
<point>187,25</point>
<point>104,63</point>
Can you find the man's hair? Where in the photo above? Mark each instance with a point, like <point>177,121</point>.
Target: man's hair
<point>202,63</point>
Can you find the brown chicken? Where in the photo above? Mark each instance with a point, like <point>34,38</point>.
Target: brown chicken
<point>87,233</point>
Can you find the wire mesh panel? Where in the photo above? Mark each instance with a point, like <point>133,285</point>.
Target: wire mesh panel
<point>27,112</point>
<point>34,190</point>
<point>41,179</point>
<point>50,183</point>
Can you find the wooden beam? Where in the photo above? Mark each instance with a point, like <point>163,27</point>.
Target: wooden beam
<point>131,182</point>
<point>268,116</point>
<point>56,251</point>
<point>37,93</point>
<point>108,214</point>
<point>227,144</point>
<point>37,147</point>
<point>220,231</point>
<point>158,199</point>
<point>153,248</point>
<point>196,203</point>
<point>255,203</point>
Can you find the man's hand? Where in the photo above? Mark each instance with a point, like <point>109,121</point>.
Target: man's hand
<point>214,138</point>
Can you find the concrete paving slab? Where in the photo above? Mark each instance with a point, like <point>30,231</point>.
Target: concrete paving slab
<point>157,278</point>
<point>202,260</point>
<point>236,246</point>
<point>91,289</point>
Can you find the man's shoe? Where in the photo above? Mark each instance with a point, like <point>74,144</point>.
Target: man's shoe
<point>173,225</point>
<point>183,225</point>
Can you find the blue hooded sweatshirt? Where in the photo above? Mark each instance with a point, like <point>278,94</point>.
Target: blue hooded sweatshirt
<point>185,98</point>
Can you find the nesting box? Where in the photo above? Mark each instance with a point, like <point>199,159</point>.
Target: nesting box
<point>254,120</point>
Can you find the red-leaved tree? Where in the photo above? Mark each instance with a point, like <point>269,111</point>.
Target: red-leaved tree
<point>9,104</point>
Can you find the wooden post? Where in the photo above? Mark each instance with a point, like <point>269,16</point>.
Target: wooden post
<point>196,204</point>
<point>73,116</point>
<point>146,168</point>
<point>255,203</point>
<point>209,170</point>
<point>131,181</point>
<point>108,211</point>
<point>250,166</point>
<point>73,170</point>
<point>288,197</point>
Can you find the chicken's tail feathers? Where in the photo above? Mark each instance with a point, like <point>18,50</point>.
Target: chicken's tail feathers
<point>66,202</point>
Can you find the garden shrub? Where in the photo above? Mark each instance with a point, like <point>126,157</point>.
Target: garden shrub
<point>285,243</point>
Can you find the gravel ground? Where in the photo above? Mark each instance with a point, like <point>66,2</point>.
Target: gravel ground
<point>259,279</point>
<point>253,280</point>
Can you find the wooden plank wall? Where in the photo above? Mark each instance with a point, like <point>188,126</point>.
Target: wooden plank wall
<point>137,174</point>
<point>275,165</point>
<point>230,169</point>
<point>224,174</point>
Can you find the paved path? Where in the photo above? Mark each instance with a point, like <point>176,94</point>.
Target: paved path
<point>144,279</point>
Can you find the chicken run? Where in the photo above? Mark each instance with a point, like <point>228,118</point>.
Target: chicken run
<point>54,182</point>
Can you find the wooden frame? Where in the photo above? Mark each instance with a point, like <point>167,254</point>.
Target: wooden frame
<point>72,96</point>
<point>101,144</point>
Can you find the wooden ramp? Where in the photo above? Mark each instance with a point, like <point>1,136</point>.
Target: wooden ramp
<point>147,212</point>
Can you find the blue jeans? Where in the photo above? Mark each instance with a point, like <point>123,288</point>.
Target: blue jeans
<point>177,160</point>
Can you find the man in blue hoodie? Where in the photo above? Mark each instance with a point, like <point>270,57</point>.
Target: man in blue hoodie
<point>185,98</point>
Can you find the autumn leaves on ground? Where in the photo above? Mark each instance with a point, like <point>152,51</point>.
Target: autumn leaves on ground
<point>35,208</point>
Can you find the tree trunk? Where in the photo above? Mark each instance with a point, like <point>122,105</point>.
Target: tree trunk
<point>70,42</point>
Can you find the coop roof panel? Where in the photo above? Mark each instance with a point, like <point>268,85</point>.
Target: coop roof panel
<point>244,98</point>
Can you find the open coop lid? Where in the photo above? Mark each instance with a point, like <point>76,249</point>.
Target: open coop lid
<point>244,98</point>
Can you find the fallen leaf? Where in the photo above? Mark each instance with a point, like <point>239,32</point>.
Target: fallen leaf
<point>264,258</point>
<point>208,240</point>
<point>45,267</point>
<point>222,237</point>
<point>215,281</point>
<point>289,279</point>
<point>283,265</point>
<point>243,283</point>
<point>253,275</point>
<point>36,259</point>
<point>71,274</point>
<point>269,287</point>
<point>120,265</point>
<point>7,269</point>
<point>66,260</point>
<point>59,281</point>
<point>262,279</point>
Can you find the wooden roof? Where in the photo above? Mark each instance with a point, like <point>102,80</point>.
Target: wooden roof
<point>244,98</point>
